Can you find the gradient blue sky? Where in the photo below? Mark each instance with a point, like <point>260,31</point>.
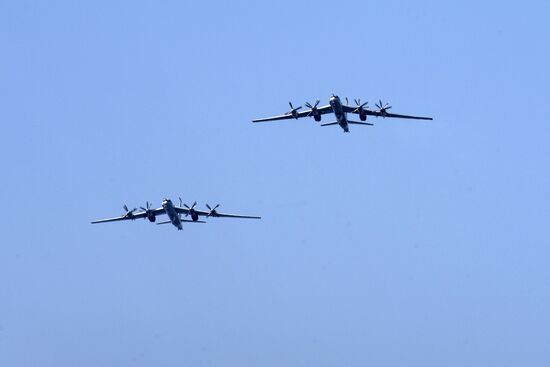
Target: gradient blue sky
<point>405,244</point>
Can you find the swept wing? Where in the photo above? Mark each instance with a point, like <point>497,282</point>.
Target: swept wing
<point>288,116</point>
<point>368,112</point>
<point>131,216</point>
<point>213,213</point>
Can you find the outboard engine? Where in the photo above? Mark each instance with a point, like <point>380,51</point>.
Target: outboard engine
<point>363,116</point>
<point>151,217</point>
<point>194,216</point>
<point>317,117</point>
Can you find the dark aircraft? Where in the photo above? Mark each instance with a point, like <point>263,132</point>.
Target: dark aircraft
<point>174,213</point>
<point>340,111</point>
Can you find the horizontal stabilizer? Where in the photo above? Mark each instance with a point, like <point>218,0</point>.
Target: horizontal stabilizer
<point>183,220</point>
<point>359,123</point>
<point>330,123</point>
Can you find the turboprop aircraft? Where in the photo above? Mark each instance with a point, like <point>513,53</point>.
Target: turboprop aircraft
<point>174,213</point>
<point>340,110</point>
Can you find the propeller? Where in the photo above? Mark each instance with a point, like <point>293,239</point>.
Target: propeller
<point>313,108</point>
<point>212,210</point>
<point>293,111</point>
<point>190,209</point>
<point>180,202</point>
<point>382,108</point>
<point>129,213</point>
<point>360,107</point>
<point>147,206</point>
<point>347,102</point>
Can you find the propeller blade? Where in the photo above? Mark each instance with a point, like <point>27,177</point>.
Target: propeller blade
<point>212,210</point>
<point>359,105</point>
<point>293,109</point>
<point>312,107</point>
<point>129,213</point>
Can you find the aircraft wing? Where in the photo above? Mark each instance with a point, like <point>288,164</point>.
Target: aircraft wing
<point>185,211</point>
<point>321,110</point>
<point>223,215</point>
<point>122,217</point>
<point>203,213</point>
<point>395,115</point>
<point>132,216</point>
<point>349,109</point>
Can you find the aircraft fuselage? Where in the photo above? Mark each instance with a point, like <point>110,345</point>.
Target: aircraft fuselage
<point>341,118</point>
<point>172,214</point>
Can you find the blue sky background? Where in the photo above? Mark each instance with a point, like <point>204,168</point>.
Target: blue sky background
<point>408,243</point>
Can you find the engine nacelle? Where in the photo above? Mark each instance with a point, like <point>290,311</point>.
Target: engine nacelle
<point>317,117</point>
<point>363,116</point>
<point>195,217</point>
<point>151,218</point>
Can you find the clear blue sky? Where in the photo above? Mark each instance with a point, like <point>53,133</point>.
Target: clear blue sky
<point>405,244</point>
